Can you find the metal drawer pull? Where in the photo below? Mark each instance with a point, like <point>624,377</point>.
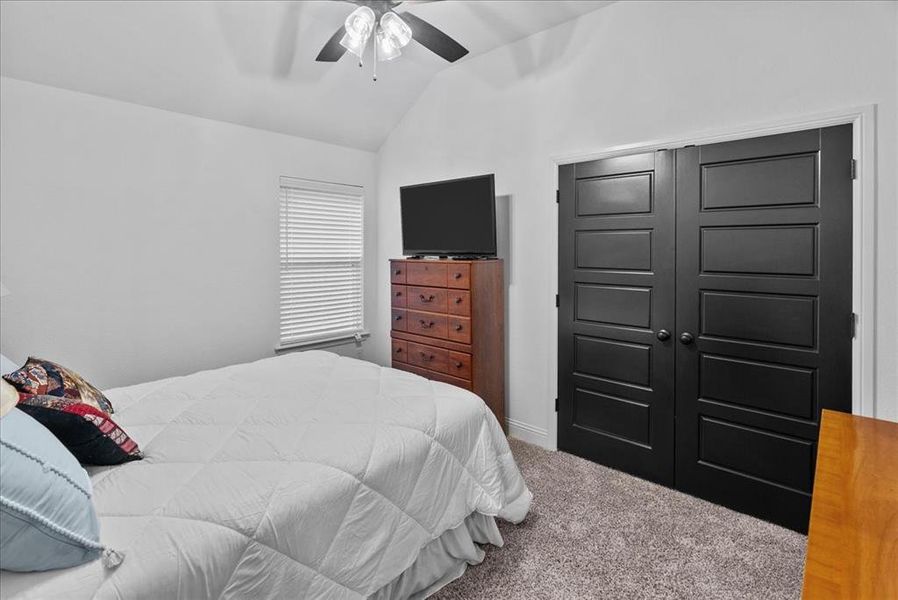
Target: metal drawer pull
<point>458,328</point>
<point>397,272</point>
<point>426,357</point>
<point>398,317</point>
<point>427,298</point>
<point>457,275</point>
<point>458,300</point>
<point>425,324</point>
<point>398,294</point>
<point>398,350</point>
<point>458,364</point>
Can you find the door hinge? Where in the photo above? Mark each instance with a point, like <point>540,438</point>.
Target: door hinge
<point>557,301</point>
<point>556,404</point>
<point>853,325</point>
<point>854,168</point>
<point>557,196</point>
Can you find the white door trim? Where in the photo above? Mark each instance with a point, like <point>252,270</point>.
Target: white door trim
<point>863,390</point>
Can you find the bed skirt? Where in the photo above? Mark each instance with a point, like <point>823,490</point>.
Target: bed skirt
<point>444,559</point>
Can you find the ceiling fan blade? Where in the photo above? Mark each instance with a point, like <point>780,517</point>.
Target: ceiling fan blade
<point>332,50</point>
<point>433,39</point>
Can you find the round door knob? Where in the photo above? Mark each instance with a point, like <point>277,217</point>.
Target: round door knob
<point>686,338</point>
<point>663,335</point>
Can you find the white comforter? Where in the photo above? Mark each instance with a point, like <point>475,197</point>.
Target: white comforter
<point>304,476</point>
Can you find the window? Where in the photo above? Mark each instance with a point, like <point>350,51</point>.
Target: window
<point>321,262</point>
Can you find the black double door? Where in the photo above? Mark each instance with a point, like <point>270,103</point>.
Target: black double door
<point>705,314</point>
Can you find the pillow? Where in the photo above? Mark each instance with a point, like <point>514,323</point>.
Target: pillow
<point>6,365</point>
<point>9,397</point>
<point>45,378</point>
<point>89,434</point>
<point>47,519</point>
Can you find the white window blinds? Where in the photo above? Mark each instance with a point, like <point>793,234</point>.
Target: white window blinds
<point>321,262</point>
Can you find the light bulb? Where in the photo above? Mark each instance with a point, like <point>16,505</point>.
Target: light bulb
<point>386,49</point>
<point>395,29</point>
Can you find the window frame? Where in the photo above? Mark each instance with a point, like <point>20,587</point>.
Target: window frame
<point>315,185</point>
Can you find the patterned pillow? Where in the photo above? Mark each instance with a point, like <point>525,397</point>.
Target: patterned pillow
<point>89,434</point>
<point>44,378</point>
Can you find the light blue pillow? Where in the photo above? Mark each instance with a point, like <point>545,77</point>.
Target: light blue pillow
<point>47,518</point>
<point>6,365</point>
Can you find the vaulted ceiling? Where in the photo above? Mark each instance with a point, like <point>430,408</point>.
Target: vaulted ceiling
<point>251,62</point>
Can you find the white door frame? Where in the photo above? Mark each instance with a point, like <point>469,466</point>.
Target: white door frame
<point>863,294</point>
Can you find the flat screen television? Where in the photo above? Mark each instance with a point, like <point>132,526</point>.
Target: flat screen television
<point>449,218</point>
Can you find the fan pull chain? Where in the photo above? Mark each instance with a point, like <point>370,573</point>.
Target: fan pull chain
<point>374,44</point>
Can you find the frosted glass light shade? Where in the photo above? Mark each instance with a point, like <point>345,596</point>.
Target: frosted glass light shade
<point>358,25</point>
<point>354,45</point>
<point>395,30</point>
<point>386,50</point>
<point>360,22</point>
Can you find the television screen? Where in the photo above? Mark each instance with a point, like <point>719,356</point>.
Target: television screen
<point>449,218</point>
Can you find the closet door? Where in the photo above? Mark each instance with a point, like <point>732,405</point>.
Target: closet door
<point>616,313</point>
<point>763,316</point>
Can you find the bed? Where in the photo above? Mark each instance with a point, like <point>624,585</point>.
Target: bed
<point>306,475</point>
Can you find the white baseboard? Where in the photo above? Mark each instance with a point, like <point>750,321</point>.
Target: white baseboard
<point>528,433</point>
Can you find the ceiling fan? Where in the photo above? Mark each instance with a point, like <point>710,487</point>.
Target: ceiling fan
<point>378,21</point>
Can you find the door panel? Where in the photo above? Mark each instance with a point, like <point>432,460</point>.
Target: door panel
<point>764,286</point>
<point>616,274</point>
<point>746,247</point>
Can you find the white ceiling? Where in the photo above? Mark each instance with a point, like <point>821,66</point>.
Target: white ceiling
<point>251,63</point>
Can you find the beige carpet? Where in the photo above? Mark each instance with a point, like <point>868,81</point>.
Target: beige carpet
<point>593,532</point>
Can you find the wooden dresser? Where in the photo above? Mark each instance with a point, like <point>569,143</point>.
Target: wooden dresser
<point>449,324</point>
<point>853,538</point>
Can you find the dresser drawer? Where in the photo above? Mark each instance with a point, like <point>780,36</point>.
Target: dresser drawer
<point>398,296</point>
<point>398,319</point>
<point>426,273</point>
<point>397,271</point>
<point>459,329</point>
<point>429,324</point>
<point>400,350</point>
<point>459,364</point>
<point>427,298</point>
<point>435,359</point>
<point>462,383</point>
<point>459,303</point>
<point>459,276</point>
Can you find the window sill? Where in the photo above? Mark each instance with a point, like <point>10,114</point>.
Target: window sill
<point>325,343</point>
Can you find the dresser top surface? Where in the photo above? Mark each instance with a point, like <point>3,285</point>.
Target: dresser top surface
<point>853,537</point>
<point>447,261</point>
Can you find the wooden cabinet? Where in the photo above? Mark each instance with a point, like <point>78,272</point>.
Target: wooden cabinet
<point>448,324</point>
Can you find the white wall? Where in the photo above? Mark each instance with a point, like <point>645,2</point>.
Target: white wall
<point>632,73</point>
<point>139,243</point>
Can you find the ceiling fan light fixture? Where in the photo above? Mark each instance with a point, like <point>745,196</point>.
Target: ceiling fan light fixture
<point>395,30</point>
<point>386,49</point>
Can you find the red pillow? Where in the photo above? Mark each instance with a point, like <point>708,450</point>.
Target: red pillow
<point>90,434</point>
